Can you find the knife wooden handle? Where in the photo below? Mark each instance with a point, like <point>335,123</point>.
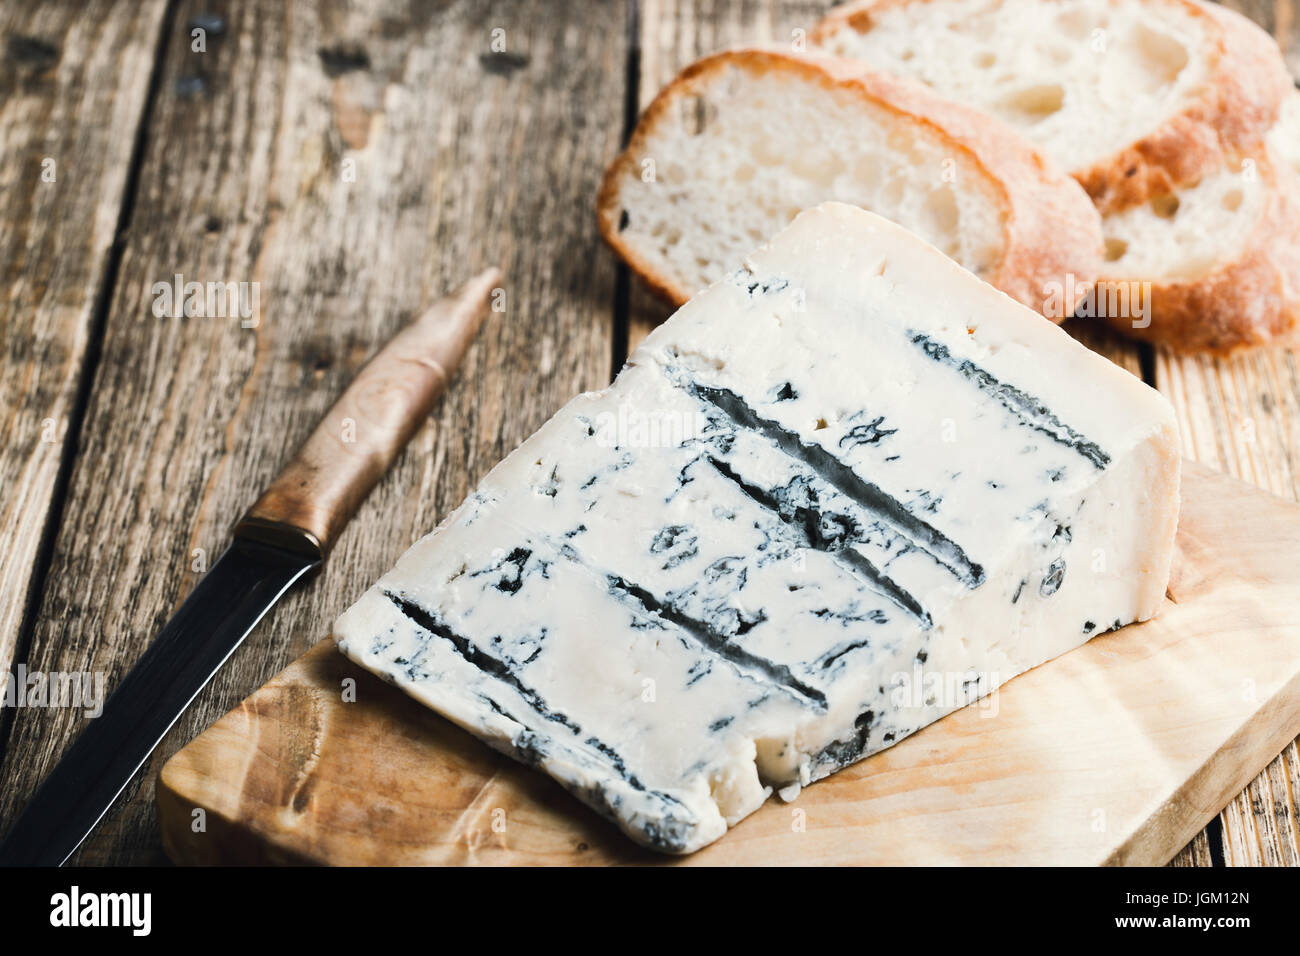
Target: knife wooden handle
<point>316,494</point>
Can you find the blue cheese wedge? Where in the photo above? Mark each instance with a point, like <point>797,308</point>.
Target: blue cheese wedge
<point>841,493</point>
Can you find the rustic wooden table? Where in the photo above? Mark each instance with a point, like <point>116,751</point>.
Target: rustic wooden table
<point>354,160</point>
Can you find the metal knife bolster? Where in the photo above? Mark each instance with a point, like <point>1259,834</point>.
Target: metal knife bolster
<point>281,536</point>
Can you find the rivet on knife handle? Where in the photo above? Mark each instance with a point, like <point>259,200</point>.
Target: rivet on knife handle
<point>311,500</point>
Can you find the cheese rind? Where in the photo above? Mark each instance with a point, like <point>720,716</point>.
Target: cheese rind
<point>838,495</point>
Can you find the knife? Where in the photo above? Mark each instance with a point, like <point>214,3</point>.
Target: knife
<point>283,537</point>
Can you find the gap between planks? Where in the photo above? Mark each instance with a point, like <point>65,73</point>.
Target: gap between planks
<point>43,555</point>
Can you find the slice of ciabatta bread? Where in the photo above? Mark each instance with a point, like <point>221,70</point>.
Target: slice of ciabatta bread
<point>1220,260</point>
<point>1133,97</point>
<point>743,140</point>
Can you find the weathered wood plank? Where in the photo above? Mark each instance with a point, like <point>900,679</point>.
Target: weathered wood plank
<point>1115,753</point>
<point>1242,416</point>
<point>355,160</point>
<point>74,80</point>
<point>1103,341</point>
<point>290,136</point>
<point>1196,853</point>
<point>1260,827</point>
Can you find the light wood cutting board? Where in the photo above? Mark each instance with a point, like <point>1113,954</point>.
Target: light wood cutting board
<point>1118,752</point>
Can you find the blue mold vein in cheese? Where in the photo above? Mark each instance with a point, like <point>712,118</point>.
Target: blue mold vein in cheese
<point>840,494</point>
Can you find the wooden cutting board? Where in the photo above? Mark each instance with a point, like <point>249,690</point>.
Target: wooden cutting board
<point>1118,752</point>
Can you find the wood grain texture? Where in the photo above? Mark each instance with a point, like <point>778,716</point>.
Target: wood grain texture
<point>356,160</point>
<point>1123,352</point>
<point>74,78</point>
<point>1197,853</point>
<point>309,503</point>
<point>1115,753</point>
<point>1242,416</point>
<point>460,154</point>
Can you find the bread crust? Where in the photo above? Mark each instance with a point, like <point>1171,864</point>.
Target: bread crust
<point>1250,301</point>
<point>1241,100</point>
<point>1051,232</point>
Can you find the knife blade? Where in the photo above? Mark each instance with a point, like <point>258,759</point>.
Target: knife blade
<point>284,536</point>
